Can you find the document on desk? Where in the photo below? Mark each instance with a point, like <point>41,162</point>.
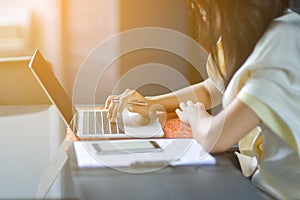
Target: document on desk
<point>174,152</point>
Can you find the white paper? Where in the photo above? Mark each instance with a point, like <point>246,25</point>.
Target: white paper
<point>176,152</point>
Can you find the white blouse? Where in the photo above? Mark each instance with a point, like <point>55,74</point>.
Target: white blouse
<point>271,76</point>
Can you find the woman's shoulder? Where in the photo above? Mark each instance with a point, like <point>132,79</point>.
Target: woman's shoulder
<point>289,23</point>
<point>279,45</point>
<point>283,34</point>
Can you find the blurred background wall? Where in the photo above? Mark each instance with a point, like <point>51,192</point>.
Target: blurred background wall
<point>66,31</point>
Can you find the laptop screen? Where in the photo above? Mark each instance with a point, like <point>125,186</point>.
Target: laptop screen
<point>43,72</point>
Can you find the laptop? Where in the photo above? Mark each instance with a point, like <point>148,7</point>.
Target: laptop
<point>91,123</point>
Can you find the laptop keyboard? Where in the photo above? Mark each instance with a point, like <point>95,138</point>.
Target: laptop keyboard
<point>96,123</point>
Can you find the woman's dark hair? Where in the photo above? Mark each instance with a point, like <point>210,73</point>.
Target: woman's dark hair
<point>229,29</point>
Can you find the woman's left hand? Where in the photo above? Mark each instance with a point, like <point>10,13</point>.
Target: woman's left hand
<point>195,115</point>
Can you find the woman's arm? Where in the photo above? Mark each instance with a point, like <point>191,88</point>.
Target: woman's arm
<point>204,92</point>
<point>220,132</point>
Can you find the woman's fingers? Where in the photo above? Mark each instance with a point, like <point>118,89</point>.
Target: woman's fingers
<point>189,103</point>
<point>109,105</point>
<point>179,113</point>
<point>182,113</point>
<point>188,111</point>
<point>117,103</point>
<point>182,106</point>
<point>108,101</point>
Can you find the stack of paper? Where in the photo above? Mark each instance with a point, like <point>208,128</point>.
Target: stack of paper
<point>174,152</point>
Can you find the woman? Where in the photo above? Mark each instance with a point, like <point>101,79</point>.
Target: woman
<point>254,71</point>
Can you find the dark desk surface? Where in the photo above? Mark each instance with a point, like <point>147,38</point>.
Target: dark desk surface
<point>223,181</point>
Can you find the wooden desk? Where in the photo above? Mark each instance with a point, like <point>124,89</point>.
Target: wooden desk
<point>223,181</point>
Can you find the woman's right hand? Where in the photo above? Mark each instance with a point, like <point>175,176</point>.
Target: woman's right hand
<point>130,99</point>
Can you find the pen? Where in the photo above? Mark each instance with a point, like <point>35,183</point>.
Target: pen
<point>137,103</point>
